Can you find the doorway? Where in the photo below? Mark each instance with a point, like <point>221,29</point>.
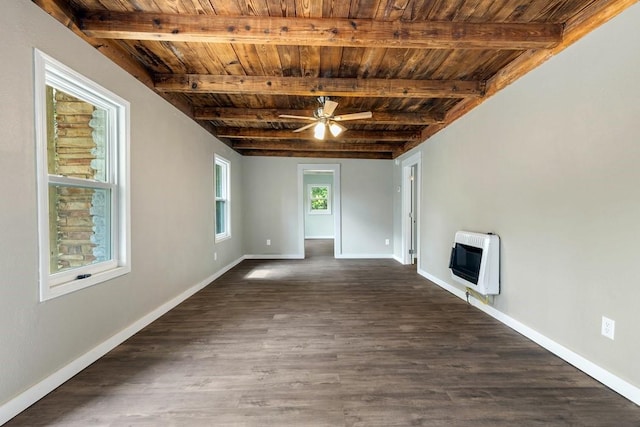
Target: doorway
<point>411,172</point>
<point>319,248</point>
<point>307,190</point>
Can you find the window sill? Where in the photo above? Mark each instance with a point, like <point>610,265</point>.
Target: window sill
<point>49,292</point>
<point>222,238</point>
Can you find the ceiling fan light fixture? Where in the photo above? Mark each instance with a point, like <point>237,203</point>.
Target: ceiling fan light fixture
<point>319,130</point>
<point>323,119</point>
<point>335,129</point>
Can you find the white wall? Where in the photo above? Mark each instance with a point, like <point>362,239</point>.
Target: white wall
<point>271,189</point>
<point>551,164</point>
<point>171,210</point>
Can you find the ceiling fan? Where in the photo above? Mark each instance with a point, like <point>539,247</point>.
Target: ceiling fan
<point>324,119</point>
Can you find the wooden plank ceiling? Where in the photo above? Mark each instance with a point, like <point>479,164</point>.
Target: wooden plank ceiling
<point>235,66</point>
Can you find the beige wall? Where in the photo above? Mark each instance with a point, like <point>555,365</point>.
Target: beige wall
<point>171,209</point>
<point>551,164</point>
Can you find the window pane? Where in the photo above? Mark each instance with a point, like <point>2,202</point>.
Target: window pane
<point>319,205</point>
<point>219,182</point>
<point>221,217</point>
<point>319,198</point>
<point>79,226</point>
<point>319,192</point>
<point>76,137</point>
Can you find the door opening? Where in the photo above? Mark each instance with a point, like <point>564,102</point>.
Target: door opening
<point>413,246</point>
<point>411,209</point>
<point>313,217</point>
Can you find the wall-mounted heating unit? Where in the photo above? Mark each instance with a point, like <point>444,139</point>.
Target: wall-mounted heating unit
<point>475,261</point>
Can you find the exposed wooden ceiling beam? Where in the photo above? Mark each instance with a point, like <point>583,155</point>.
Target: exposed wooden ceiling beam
<point>316,146</point>
<point>316,86</point>
<point>320,31</point>
<point>272,115</point>
<point>319,154</point>
<point>349,135</point>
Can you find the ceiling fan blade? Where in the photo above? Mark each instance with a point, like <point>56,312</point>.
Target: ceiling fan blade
<point>289,116</point>
<point>305,127</point>
<point>329,107</point>
<point>353,116</point>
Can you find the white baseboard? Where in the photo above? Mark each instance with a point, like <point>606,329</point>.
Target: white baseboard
<point>274,256</point>
<point>365,256</point>
<point>298,256</point>
<point>610,380</point>
<point>21,402</point>
<point>319,237</point>
<point>399,259</point>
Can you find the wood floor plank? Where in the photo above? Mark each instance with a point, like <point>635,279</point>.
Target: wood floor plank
<point>327,342</point>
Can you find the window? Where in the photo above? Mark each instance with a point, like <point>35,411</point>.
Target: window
<point>82,133</point>
<point>319,199</point>
<point>223,229</point>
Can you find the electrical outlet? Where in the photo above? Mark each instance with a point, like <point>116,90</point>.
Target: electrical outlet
<point>608,327</point>
<point>386,242</point>
<point>215,256</point>
<point>268,242</point>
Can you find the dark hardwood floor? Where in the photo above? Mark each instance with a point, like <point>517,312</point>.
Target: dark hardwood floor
<point>326,342</point>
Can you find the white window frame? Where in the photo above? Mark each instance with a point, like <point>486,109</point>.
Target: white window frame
<point>225,197</point>
<point>49,72</point>
<point>312,211</point>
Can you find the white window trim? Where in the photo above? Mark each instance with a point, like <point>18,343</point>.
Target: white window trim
<point>227,190</point>
<point>319,211</point>
<point>50,72</point>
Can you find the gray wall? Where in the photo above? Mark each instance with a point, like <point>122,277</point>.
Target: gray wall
<point>397,210</point>
<point>171,209</point>
<point>318,225</point>
<point>271,188</point>
<point>271,196</point>
<point>367,207</point>
<point>551,164</point>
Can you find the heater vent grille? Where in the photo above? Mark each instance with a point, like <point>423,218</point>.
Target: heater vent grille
<point>471,239</point>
